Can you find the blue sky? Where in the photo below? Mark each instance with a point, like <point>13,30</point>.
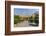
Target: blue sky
<point>24,11</point>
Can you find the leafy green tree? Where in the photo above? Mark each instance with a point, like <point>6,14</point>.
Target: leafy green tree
<point>36,19</point>
<point>16,19</point>
<point>31,19</point>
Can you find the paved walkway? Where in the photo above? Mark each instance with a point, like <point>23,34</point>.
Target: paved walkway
<point>22,24</point>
